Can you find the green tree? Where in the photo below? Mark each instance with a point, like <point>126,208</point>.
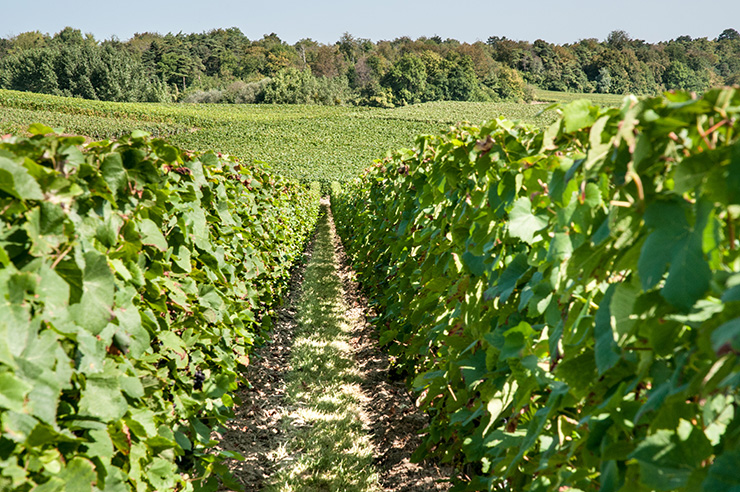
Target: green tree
<point>728,35</point>
<point>407,79</point>
<point>291,86</point>
<point>29,70</point>
<point>618,39</point>
<point>28,40</point>
<point>604,81</point>
<point>680,76</point>
<point>510,85</point>
<point>69,37</point>
<point>462,83</point>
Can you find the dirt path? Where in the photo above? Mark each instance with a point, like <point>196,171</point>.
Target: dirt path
<point>273,428</point>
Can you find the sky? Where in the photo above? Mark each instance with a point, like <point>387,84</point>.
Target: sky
<point>560,22</point>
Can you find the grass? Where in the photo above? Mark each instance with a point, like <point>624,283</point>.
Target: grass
<point>328,449</point>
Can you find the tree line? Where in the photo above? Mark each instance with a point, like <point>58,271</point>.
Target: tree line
<point>223,65</point>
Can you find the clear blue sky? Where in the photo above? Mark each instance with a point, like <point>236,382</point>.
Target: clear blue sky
<point>560,22</point>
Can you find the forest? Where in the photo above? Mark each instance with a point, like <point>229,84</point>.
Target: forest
<point>224,66</point>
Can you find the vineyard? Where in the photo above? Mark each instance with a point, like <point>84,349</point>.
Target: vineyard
<point>306,142</point>
<point>564,301</point>
<point>135,279</point>
<point>561,296</point>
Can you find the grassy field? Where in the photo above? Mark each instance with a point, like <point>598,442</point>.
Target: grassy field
<point>564,97</point>
<point>308,142</point>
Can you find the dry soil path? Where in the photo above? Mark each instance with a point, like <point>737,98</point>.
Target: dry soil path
<point>273,424</point>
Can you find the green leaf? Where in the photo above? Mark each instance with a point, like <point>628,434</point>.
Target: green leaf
<point>53,291</point>
<point>39,129</point>
<point>171,341</point>
<point>689,275</point>
<point>578,114</point>
<point>115,480</point>
<point>152,235</point>
<point>13,392</point>
<point>95,309</point>
<point>102,399</point>
<point>476,264</point>
<point>161,474</point>
<point>509,279</point>
<point>577,371</point>
<point>667,458</point>
<point>676,243</point>
<point>79,475</point>
<point>72,274</point>
<point>133,333</point>
<point>45,227</point>
<point>605,349</point>
<point>723,474</point>
<point>114,173</point>
<point>522,223</point>
<point>18,426</point>
<point>43,399</point>
<point>671,227</point>
<point>609,479</point>
<point>622,307</point>
<point>537,424</point>
<point>561,247</point>
<point>91,353</point>
<point>55,484</point>
<point>165,151</point>
<point>141,422</point>
<point>727,336</point>
<point>183,441</point>
<point>100,445</point>
<point>516,341</point>
<point>15,180</point>
<point>131,386</point>
<point>474,369</point>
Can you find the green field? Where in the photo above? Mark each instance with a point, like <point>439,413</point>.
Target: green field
<point>307,142</point>
<point>563,97</point>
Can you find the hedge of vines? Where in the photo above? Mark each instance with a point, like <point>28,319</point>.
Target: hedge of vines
<point>134,278</point>
<point>566,301</point>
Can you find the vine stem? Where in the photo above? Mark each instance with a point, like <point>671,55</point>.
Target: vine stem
<point>731,230</point>
<point>61,256</point>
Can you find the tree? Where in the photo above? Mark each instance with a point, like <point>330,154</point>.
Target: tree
<point>618,39</point>
<point>604,81</point>
<point>28,40</point>
<point>68,37</point>
<point>511,85</point>
<point>290,86</point>
<point>30,70</point>
<point>728,35</point>
<point>306,49</point>
<point>327,61</point>
<point>680,76</point>
<point>348,46</point>
<point>407,79</point>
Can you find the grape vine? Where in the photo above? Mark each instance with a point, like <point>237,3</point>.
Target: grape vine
<point>565,300</point>
<point>134,279</point>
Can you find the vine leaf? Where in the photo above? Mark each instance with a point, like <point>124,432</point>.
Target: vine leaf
<point>676,243</point>
<point>15,180</point>
<point>523,224</point>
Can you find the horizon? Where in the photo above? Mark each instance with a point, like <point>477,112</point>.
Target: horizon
<point>412,38</point>
<point>385,20</point>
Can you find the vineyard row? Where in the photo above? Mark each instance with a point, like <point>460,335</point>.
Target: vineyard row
<point>565,301</point>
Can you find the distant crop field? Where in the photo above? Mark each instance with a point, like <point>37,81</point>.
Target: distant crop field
<point>565,97</point>
<point>309,142</point>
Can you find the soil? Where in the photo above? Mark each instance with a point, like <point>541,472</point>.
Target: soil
<point>395,421</point>
<point>391,416</point>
